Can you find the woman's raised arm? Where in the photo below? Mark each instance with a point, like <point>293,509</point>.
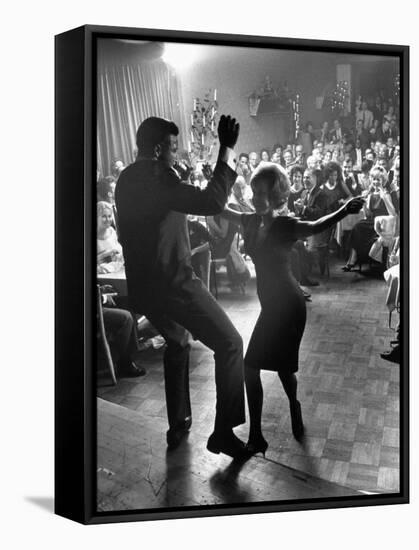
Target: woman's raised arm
<point>307,228</point>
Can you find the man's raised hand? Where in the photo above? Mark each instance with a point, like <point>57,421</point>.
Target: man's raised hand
<point>228,131</point>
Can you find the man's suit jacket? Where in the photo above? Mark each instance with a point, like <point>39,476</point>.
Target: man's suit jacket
<point>152,204</point>
<point>383,136</point>
<point>314,204</point>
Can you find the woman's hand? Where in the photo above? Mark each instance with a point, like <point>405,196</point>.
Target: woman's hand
<point>353,206</point>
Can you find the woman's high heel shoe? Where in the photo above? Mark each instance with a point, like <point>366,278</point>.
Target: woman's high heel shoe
<point>255,446</point>
<point>297,421</point>
<point>348,267</point>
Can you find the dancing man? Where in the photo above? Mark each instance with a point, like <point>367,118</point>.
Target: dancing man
<point>152,204</point>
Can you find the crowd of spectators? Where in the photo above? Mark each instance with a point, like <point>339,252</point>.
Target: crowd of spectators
<point>342,158</point>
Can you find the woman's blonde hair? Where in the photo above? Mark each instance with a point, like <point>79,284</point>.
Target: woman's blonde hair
<point>381,172</point>
<point>102,206</point>
<point>276,177</point>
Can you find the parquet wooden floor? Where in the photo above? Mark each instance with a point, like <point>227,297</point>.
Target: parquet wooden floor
<point>349,395</point>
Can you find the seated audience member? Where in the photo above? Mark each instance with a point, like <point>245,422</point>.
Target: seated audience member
<point>394,187</point>
<point>300,257</point>
<point>106,189</point>
<point>324,133</point>
<point>393,354</point>
<point>288,160</point>
<point>374,129</point>
<point>122,339</point>
<point>334,187</point>
<point>334,194</point>
<point>394,130</point>
<point>200,259</point>
<point>253,161</point>
<point>320,148</point>
<point>363,235</point>
<point>312,206</point>
<point>336,134</point>
<point>358,155</point>
<point>312,163</point>
<point>224,245</point>
<point>318,156</point>
<point>300,157</point>
<point>382,163</point>
<point>182,168</point>
<point>391,147</point>
<point>197,179</point>
<point>370,157</point>
<point>363,114</point>
<point>337,155</point>
<point>239,196</point>
<point>264,155</point>
<point>395,154</point>
<point>364,175</point>
<point>297,189</point>
<point>109,251</point>
<point>307,138</point>
<point>276,158</point>
<point>384,132</point>
<point>117,167</point>
<point>279,150</point>
<point>362,134</point>
<point>243,168</point>
<point>327,157</point>
<point>390,115</point>
<point>350,178</point>
<point>349,151</point>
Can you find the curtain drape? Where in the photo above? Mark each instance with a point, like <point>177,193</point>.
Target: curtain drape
<point>126,95</point>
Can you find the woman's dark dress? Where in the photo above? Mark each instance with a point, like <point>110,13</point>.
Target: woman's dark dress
<point>276,338</point>
<point>363,234</point>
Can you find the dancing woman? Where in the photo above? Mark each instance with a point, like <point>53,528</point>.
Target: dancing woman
<point>275,341</point>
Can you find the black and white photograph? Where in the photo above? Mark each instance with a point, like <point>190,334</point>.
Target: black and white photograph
<point>249,255</point>
<point>209,317</point>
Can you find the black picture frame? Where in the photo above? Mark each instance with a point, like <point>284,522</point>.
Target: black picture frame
<point>75,382</point>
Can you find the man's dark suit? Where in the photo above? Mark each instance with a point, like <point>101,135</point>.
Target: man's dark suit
<point>314,204</point>
<point>152,203</point>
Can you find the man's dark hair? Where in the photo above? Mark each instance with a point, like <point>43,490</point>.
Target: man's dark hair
<point>152,131</point>
<point>244,155</point>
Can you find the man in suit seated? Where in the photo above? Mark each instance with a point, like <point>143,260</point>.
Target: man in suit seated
<point>312,207</point>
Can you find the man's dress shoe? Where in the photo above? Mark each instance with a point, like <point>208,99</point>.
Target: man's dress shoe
<point>228,444</point>
<point>131,370</point>
<point>175,435</point>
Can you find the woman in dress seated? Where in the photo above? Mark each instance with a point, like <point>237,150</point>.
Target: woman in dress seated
<point>363,234</point>
<point>109,251</point>
<point>275,341</point>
